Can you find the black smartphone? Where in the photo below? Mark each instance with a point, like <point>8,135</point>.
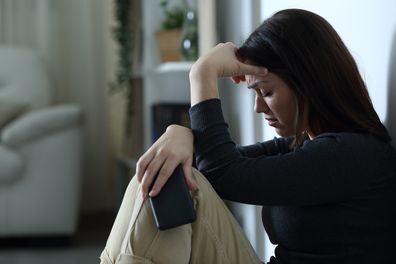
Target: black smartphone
<point>173,206</point>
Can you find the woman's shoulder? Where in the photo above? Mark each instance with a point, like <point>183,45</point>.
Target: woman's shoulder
<point>354,143</point>
<point>358,149</point>
<point>350,137</point>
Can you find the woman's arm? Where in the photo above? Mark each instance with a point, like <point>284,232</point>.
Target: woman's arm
<point>272,147</point>
<point>175,146</point>
<point>329,168</point>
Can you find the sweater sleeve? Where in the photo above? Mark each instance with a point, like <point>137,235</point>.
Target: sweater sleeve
<point>326,169</point>
<point>268,148</point>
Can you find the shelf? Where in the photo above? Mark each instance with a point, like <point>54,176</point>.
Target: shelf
<point>174,67</point>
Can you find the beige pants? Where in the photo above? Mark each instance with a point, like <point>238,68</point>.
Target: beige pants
<point>215,237</point>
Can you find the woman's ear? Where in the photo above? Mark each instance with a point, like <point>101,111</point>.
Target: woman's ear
<point>306,108</point>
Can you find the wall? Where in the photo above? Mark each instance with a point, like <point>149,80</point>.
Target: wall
<point>391,106</point>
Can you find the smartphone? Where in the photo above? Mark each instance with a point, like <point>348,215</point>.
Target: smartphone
<point>173,206</point>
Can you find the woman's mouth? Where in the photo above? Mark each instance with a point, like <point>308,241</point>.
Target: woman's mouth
<point>272,121</point>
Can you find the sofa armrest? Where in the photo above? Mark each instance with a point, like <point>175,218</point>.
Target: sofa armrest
<point>39,123</point>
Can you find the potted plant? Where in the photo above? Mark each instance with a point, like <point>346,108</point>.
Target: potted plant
<point>169,37</point>
<point>127,79</point>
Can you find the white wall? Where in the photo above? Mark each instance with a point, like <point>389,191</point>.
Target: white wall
<point>368,29</point>
<point>391,107</point>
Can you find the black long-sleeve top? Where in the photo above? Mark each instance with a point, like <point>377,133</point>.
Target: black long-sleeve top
<point>331,200</point>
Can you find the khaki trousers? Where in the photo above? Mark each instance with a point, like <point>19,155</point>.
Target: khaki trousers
<point>215,237</point>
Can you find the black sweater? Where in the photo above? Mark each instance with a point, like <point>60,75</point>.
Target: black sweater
<point>332,200</point>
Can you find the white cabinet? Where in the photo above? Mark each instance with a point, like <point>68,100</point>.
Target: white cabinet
<point>168,82</point>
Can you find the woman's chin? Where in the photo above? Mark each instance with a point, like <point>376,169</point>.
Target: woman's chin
<point>283,132</point>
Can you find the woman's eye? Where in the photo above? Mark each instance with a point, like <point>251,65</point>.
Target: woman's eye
<point>265,94</point>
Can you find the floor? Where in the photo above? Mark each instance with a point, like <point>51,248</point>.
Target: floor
<point>83,248</point>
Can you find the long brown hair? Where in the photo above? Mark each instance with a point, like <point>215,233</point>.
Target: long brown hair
<point>308,54</point>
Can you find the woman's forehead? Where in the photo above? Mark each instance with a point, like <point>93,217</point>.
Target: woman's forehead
<point>250,79</point>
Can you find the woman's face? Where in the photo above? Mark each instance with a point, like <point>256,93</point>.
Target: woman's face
<point>276,101</point>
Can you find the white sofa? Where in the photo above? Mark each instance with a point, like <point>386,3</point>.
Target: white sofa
<point>40,151</point>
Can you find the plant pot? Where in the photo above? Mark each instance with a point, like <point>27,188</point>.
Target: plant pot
<point>168,42</point>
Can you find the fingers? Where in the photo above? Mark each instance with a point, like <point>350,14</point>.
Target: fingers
<point>165,168</point>
<point>247,69</point>
<point>230,65</point>
<point>242,68</point>
<point>166,171</point>
<point>150,173</point>
<point>142,164</point>
<point>192,185</point>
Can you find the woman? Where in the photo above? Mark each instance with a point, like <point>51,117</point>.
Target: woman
<point>326,186</point>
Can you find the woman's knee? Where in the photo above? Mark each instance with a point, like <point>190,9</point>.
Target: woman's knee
<point>201,180</point>
<point>205,188</point>
<point>168,246</point>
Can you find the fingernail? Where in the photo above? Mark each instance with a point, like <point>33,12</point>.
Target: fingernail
<point>152,192</point>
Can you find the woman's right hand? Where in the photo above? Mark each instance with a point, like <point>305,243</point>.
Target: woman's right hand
<point>220,61</point>
<point>174,147</point>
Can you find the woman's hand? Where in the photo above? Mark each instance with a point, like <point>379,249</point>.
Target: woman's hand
<point>220,61</point>
<point>174,147</point>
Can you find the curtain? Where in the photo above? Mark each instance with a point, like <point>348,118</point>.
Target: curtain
<point>28,23</point>
<point>18,22</point>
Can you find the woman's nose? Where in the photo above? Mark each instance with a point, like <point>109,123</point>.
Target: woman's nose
<point>260,106</point>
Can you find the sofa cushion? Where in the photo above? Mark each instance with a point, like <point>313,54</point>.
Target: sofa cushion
<point>24,77</point>
<point>9,111</point>
<point>11,164</point>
